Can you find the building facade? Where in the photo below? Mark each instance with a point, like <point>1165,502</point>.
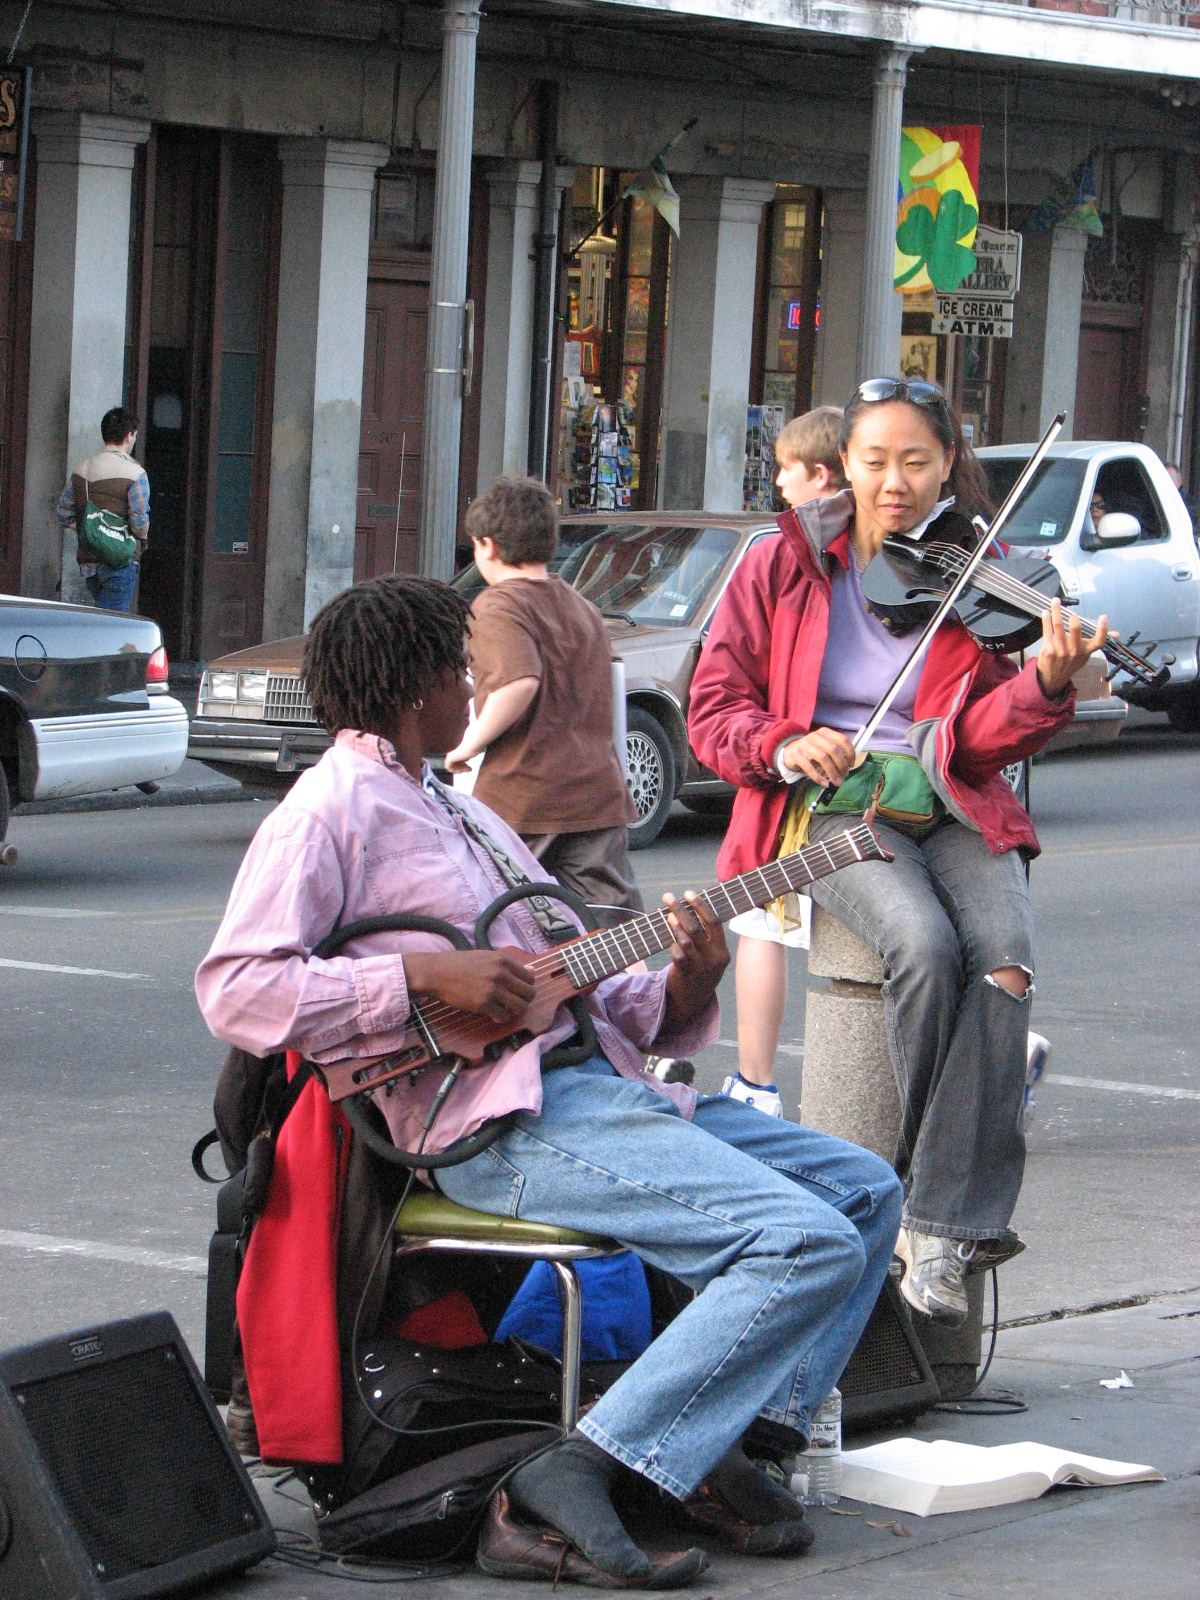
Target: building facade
<point>350,260</point>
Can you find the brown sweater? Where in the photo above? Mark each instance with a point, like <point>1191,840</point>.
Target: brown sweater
<point>107,478</point>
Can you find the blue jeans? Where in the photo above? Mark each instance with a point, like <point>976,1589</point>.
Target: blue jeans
<point>112,587</point>
<point>943,916</point>
<point>785,1235</point>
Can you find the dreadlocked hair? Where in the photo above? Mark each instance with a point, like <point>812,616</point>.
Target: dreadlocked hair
<point>378,645</point>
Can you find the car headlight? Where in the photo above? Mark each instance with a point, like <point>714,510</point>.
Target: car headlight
<point>219,686</point>
<point>252,686</point>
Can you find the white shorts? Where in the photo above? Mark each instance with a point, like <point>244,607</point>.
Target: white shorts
<point>764,924</point>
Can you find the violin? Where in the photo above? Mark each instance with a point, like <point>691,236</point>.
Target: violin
<point>1001,606</point>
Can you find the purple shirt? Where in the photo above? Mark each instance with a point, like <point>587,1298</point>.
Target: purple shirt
<point>358,837</point>
<point>861,659</point>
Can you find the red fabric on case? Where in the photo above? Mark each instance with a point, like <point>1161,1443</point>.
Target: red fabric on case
<point>448,1323</point>
<point>287,1293</point>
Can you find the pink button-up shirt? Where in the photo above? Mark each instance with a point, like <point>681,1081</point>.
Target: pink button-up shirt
<point>358,837</point>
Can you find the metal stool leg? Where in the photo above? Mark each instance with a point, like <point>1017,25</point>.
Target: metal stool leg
<point>572,1339</point>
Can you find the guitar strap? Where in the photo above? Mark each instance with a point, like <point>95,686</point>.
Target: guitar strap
<point>553,925</point>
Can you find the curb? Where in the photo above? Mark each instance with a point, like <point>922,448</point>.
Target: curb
<point>123,800</point>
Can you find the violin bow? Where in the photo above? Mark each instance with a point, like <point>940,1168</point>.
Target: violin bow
<point>949,600</point>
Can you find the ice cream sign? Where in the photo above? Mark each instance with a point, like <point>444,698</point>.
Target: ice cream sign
<point>938,211</point>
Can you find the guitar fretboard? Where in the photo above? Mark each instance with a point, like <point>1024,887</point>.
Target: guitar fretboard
<point>613,949</point>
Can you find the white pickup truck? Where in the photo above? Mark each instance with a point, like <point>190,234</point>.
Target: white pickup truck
<point>1110,519</point>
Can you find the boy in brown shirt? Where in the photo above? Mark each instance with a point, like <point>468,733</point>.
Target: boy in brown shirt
<point>541,663</point>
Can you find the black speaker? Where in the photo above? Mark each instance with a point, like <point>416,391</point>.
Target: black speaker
<point>117,1478</point>
<point>888,1375</point>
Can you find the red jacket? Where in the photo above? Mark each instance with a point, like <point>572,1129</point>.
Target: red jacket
<point>287,1293</point>
<point>756,685</point>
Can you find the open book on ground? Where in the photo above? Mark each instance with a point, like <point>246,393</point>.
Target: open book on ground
<point>925,1477</point>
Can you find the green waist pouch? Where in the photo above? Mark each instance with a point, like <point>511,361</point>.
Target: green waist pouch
<point>895,785</point>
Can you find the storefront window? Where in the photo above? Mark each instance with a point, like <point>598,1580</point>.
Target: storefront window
<point>785,303</point>
<point>617,294</point>
<point>403,211</point>
<point>788,308</point>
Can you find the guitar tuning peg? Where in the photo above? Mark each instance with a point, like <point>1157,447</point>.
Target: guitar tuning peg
<point>1133,637</point>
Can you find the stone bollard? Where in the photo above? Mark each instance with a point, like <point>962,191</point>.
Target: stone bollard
<point>849,1089</point>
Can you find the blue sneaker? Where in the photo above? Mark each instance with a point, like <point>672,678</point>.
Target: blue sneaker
<point>762,1096</point>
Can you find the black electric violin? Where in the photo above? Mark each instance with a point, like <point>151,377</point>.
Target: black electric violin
<point>1001,605</point>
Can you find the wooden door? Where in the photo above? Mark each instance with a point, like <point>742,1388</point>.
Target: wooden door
<point>241,376</point>
<point>181,216</point>
<point>1106,379</point>
<point>393,404</point>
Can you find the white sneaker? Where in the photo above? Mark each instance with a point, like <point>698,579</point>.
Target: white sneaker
<point>762,1098</point>
<point>1037,1059</point>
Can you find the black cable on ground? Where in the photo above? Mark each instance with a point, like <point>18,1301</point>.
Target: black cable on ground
<point>1003,1402</point>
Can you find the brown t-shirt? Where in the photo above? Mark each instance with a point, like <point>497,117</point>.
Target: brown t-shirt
<point>556,769</point>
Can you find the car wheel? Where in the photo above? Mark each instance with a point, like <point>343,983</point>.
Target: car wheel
<point>650,775</point>
<point>1183,710</point>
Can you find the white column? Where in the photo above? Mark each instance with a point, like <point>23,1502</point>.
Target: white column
<point>77,331</point>
<point>508,324</point>
<point>447,291</point>
<point>841,296</point>
<point>508,332</point>
<point>1185,300</point>
<point>1060,352</point>
<point>325,237</point>
<point>707,379</point>
<point>879,324</point>
<point>688,364</point>
<point>742,203</point>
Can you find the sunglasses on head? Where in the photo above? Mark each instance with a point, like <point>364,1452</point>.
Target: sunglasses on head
<point>916,390</point>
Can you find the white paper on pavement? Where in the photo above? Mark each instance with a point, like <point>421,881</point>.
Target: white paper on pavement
<point>927,1477</point>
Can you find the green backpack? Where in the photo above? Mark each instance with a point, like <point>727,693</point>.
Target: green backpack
<point>105,536</point>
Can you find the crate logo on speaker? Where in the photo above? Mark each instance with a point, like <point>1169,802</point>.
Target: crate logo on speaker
<point>86,1349</point>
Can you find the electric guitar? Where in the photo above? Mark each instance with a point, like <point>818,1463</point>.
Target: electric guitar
<point>437,1030</point>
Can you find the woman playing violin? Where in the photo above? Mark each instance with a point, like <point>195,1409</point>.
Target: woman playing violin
<point>794,664</point>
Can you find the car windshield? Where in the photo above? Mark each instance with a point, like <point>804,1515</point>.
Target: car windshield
<point>1046,508</point>
<point>650,574</point>
<point>570,537</point>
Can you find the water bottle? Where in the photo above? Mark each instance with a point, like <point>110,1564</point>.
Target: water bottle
<point>820,1466</point>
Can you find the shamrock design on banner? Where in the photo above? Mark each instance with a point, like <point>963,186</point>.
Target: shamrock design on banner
<point>938,208</point>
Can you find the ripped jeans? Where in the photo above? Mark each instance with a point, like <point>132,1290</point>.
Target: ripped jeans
<point>944,916</point>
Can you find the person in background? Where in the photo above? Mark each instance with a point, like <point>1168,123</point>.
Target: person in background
<point>116,483</point>
<point>806,453</point>
<point>1190,504</point>
<point>542,667</point>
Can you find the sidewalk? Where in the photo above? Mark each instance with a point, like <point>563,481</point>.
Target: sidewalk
<point>1073,1544</point>
<point>193,785</point>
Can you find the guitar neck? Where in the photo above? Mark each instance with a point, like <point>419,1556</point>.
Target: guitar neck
<point>602,954</point>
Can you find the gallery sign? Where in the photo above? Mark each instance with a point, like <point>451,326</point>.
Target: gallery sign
<point>14,149</point>
<point>975,316</point>
<point>997,264</point>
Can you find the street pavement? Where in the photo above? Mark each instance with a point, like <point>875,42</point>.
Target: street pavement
<point>106,1075</point>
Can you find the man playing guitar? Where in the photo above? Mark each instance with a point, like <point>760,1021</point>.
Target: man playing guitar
<point>784,1234</point>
